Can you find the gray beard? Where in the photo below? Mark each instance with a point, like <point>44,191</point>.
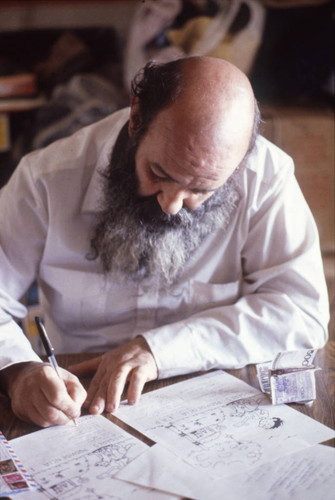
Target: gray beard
<point>137,241</point>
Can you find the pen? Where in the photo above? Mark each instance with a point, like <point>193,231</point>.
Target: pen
<point>49,350</point>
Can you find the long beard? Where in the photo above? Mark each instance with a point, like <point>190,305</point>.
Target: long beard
<point>135,240</point>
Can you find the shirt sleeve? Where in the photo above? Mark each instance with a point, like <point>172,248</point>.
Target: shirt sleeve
<point>23,220</point>
<point>283,302</point>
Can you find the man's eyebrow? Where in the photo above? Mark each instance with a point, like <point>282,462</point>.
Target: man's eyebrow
<point>162,171</point>
<point>167,176</point>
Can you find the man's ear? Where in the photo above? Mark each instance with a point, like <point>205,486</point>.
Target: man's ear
<point>134,117</point>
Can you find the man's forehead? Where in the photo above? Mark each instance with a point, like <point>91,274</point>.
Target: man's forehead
<point>201,158</point>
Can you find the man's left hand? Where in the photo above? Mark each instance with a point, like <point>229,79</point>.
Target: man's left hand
<point>132,362</point>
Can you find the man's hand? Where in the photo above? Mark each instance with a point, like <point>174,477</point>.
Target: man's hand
<point>39,396</point>
<point>131,362</point>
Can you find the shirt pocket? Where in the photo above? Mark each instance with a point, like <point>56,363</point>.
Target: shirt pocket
<point>82,301</point>
<point>107,304</point>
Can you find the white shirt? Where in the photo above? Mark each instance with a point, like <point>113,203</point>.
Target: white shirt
<point>247,293</point>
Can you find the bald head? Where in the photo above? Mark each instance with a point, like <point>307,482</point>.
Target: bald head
<point>193,120</point>
<point>215,101</point>
<point>206,91</point>
<point>214,83</point>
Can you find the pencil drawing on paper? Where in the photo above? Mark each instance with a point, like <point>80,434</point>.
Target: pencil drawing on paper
<point>80,462</point>
<point>72,480</point>
<point>216,435</point>
<point>87,475</point>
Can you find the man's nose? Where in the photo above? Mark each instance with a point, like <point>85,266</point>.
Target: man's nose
<point>171,199</point>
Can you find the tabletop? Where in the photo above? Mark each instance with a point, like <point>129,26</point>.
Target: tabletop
<point>322,409</point>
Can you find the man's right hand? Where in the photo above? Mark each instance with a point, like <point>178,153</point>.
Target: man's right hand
<point>38,395</point>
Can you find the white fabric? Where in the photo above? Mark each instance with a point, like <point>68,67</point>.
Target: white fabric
<point>246,293</point>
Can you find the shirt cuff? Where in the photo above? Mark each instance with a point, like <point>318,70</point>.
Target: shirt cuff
<point>173,347</point>
<point>14,346</point>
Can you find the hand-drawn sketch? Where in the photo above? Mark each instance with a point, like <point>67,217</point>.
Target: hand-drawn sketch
<point>270,422</point>
<point>224,452</point>
<point>246,409</point>
<point>72,481</point>
<point>83,461</point>
<point>306,474</point>
<point>219,424</point>
<point>215,448</point>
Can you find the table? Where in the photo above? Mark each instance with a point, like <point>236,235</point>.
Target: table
<point>322,410</point>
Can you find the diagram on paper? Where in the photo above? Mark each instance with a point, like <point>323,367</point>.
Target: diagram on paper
<point>222,425</point>
<point>223,438</point>
<point>73,479</point>
<point>78,463</point>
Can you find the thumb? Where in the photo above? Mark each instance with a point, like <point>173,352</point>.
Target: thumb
<point>85,367</point>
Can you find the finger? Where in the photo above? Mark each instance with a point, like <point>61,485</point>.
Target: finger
<point>86,367</point>
<point>75,389</point>
<point>98,405</point>
<point>96,395</point>
<point>57,398</point>
<point>78,395</point>
<point>93,389</point>
<point>61,402</point>
<point>39,411</point>
<point>137,381</point>
<point>95,400</point>
<point>116,387</point>
<point>49,415</point>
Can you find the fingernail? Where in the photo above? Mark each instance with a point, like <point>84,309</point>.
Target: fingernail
<point>95,409</point>
<point>131,401</point>
<point>111,408</point>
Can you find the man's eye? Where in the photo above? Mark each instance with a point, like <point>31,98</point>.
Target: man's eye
<point>202,193</point>
<point>157,176</point>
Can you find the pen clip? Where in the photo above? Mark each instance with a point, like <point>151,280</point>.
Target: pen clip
<point>49,350</point>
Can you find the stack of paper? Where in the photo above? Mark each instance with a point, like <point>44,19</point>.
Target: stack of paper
<point>216,437</point>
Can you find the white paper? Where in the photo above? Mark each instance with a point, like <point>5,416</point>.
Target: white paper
<point>160,466</point>
<point>294,359</point>
<point>78,462</point>
<point>307,474</point>
<point>220,425</point>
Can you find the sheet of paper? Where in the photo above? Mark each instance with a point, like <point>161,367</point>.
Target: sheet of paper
<point>161,468</point>
<point>219,424</point>
<point>78,462</point>
<point>307,474</point>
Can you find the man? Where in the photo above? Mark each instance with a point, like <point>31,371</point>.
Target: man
<point>190,248</point>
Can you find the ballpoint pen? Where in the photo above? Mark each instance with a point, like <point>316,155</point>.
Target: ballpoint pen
<point>49,350</point>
